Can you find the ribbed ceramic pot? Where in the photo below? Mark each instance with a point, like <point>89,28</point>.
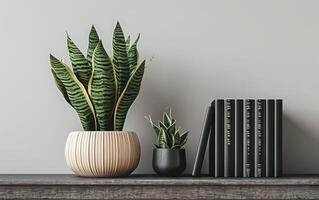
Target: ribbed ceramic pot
<point>102,153</point>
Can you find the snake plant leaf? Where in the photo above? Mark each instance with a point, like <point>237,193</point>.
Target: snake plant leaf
<point>120,59</point>
<point>76,92</point>
<point>128,96</point>
<point>162,125</point>
<point>133,55</point>
<point>156,146</point>
<point>128,42</point>
<point>178,130</point>
<point>184,138</point>
<point>177,139</point>
<point>60,86</point>
<point>162,140</point>
<point>102,88</point>
<point>171,129</point>
<point>93,41</point>
<point>166,120</point>
<point>154,126</point>
<point>80,64</point>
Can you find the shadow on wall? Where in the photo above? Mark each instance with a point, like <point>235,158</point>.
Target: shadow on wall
<point>298,141</point>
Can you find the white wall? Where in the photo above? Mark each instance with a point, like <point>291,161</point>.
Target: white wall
<point>202,49</point>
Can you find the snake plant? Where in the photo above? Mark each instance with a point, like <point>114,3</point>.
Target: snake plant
<point>168,136</point>
<point>100,88</point>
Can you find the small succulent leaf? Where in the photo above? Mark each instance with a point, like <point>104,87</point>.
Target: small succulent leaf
<point>177,139</point>
<point>166,120</point>
<point>155,127</point>
<point>76,92</point>
<point>176,147</point>
<point>171,129</point>
<point>170,140</point>
<point>183,142</point>
<point>120,59</point>
<point>162,125</point>
<point>128,42</point>
<point>102,88</point>
<point>170,114</point>
<point>156,146</point>
<point>93,41</point>
<point>149,119</point>
<point>61,87</point>
<point>177,130</point>
<point>128,96</point>
<point>133,55</point>
<point>80,64</point>
<point>173,121</point>
<point>184,138</point>
<point>162,140</point>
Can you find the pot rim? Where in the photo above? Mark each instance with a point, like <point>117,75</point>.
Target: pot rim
<point>167,149</point>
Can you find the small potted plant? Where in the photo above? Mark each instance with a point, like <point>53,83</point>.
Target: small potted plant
<point>101,89</point>
<point>169,157</point>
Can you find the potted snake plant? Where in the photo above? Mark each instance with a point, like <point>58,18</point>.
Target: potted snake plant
<point>169,158</point>
<point>101,89</point>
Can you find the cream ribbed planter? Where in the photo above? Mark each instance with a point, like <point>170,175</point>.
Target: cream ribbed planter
<point>102,153</point>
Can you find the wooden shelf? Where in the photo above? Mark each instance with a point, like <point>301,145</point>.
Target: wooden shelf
<point>148,187</point>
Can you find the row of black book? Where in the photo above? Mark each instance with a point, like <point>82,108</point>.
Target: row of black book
<point>244,138</point>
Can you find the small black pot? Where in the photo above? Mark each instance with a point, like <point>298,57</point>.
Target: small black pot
<point>169,162</point>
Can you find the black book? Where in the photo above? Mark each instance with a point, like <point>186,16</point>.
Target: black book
<point>211,145</point>
<point>248,156</point>
<point>260,138</point>
<point>270,130</point>
<point>203,143</point>
<point>219,138</point>
<point>239,120</point>
<point>278,138</point>
<point>229,138</point>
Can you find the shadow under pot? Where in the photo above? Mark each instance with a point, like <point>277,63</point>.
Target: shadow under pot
<point>169,162</point>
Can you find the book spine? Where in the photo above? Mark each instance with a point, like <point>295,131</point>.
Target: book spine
<point>278,138</point>
<point>229,139</point>
<point>248,157</point>
<point>239,120</point>
<point>260,139</point>
<point>270,129</point>
<point>211,147</point>
<point>202,143</point>
<point>219,138</point>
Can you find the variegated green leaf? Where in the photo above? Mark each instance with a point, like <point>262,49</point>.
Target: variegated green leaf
<point>154,126</point>
<point>76,92</point>
<point>93,40</point>
<point>133,55</point>
<point>177,139</point>
<point>120,59</point>
<point>156,146</point>
<point>128,96</point>
<point>166,120</point>
<point>162,140</point>
<point>102,88</point>
<point>162,125</point>
<point>128,42</point>
<point>60,86</point>
<point>171,129</point>
<point>184,138</point>
<point>80,65</point>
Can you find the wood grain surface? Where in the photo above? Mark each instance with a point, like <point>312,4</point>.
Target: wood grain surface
<point>148,187</point>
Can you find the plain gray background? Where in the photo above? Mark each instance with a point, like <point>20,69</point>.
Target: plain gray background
<point>201,49</point>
